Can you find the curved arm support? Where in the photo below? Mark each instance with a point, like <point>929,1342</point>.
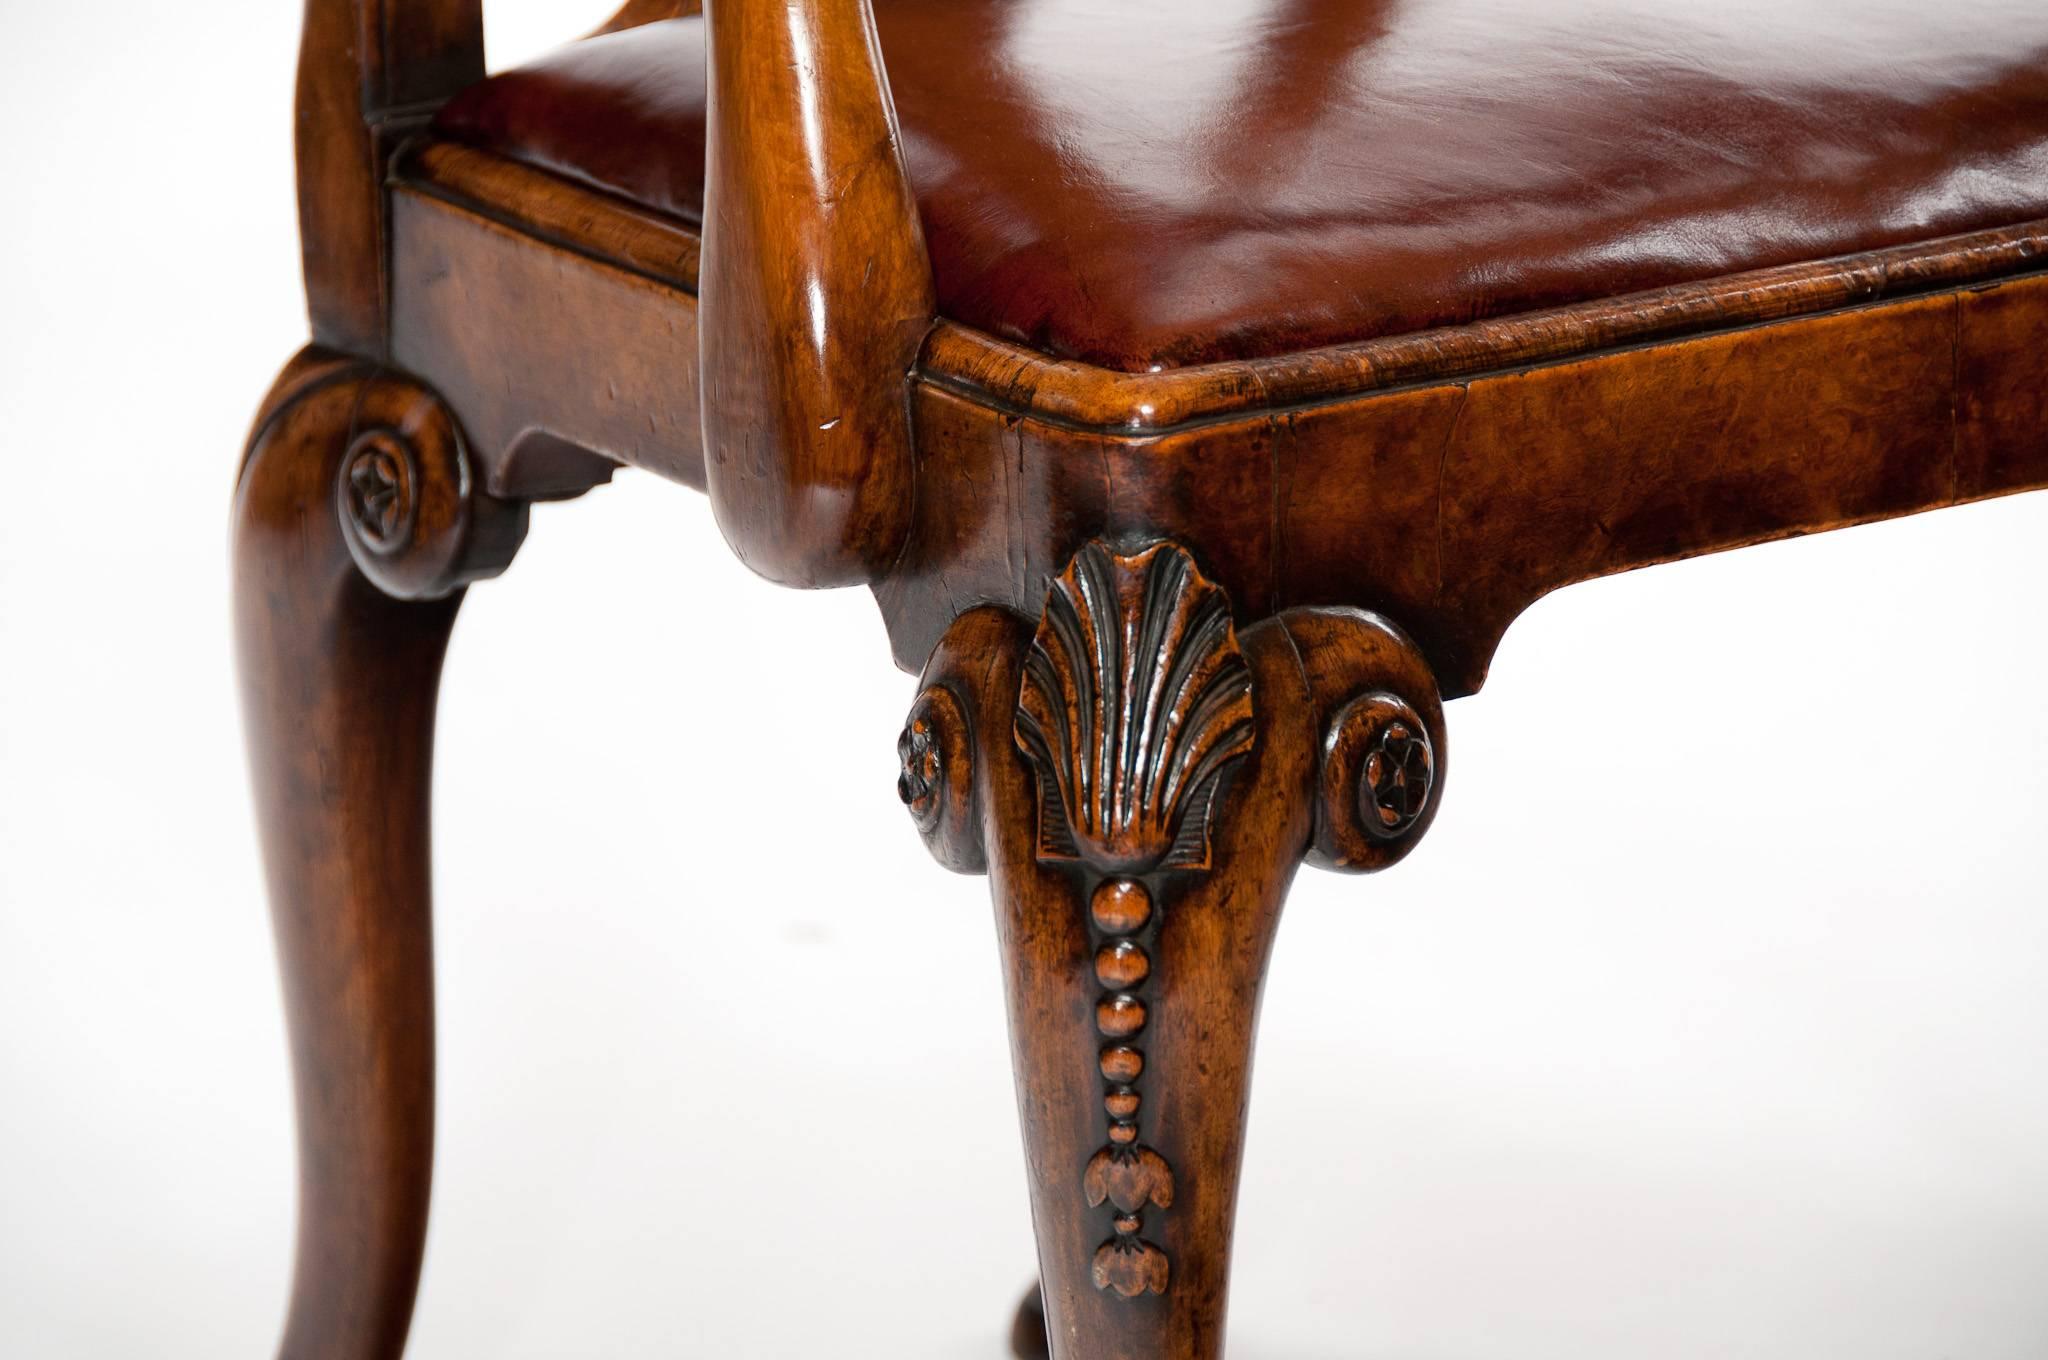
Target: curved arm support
<point>634,13</point>
<point>815,292</point>
<point>371,72</point>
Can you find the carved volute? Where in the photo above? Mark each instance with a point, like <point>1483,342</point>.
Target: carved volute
<point>413,514</point>
<point>936,781</point>
<point>1382,737</point>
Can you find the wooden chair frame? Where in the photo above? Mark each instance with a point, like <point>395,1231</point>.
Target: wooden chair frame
<point>1177,631</point>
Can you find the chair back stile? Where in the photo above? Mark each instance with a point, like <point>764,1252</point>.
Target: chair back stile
<point>815,292</point>
<point>371,73</point>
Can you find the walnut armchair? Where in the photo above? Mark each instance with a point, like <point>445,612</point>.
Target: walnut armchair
<point>1201,394</point>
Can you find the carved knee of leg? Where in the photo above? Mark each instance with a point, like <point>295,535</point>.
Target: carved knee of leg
<point>1141,779</point>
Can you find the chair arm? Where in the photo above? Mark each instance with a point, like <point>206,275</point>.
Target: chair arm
<point>370,73</point>
<point>634,13</point>
<point>814,292</point>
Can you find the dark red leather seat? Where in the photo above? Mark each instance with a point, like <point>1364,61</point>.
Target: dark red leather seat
<point>1139,184</point>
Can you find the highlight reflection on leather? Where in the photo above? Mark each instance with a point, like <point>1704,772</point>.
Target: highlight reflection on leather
<point>1138,183</point>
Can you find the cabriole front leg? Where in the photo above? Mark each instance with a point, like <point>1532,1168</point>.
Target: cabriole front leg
<point>1141,779</point>
<point>355,525</point>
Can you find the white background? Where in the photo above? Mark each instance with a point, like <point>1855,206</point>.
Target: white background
<point>1709,1022</point>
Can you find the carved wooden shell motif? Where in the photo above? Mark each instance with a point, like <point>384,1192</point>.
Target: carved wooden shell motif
<point>1136,701</point>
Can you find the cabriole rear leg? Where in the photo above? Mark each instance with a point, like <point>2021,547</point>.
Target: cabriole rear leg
<point>355,526</point>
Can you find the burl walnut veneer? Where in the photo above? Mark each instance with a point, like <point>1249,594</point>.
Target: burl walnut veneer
<point>1201,389</point>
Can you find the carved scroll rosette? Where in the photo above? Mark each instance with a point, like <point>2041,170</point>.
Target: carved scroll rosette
<point>413,514</point>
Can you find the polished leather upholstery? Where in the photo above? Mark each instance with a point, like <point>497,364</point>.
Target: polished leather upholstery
<point>1148,184</point>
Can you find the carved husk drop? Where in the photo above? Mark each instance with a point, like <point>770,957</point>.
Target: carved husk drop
<point>1128,1178</point>
<point>1131,1267</point>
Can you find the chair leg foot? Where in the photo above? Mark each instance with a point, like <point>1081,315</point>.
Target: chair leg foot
<point>1027,1330</point>
<point>338,685</point>
<point>1144,782</point>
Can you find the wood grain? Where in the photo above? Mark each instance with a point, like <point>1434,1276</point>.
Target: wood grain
<point>1741,429</point>
<point>609,378</point>
<point>1178,630</point>
<point>1452,508</point>
<point>815,293</point>
<point>1133,970</point>
<point>371,73</point>
<point>637,12</point>
<point>2002,402</point>
<point>1015,379</point>
<point>338,693</point>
